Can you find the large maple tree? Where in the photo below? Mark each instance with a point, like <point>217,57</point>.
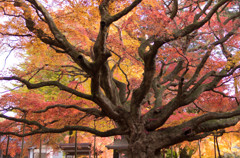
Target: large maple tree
<point>160,72</point>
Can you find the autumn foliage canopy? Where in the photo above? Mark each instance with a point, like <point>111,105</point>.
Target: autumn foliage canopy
<point>157,72</point>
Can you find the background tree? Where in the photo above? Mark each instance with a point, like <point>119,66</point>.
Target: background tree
<point>161,72</point>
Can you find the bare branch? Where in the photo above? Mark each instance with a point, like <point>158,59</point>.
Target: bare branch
<point>35,123</point>
<point>13,15</point>
<point>5,61</point>
<point>197,16</point>
<point>225,74</point>
<point>48,83</point>
<point>174,9</point>
<point>30,24</point>
<point>124,97</point>
<point>92,111</point>
<point>199,107</point>
<point>149,59</point>
<point>224,95</point>
<point>112,132</point>
<point>227,36</point>
<point>57,34</point>
<point>199,68</point>
<point>124,12</point>
<point>173,74</point>
<point>196,25</point>
<point>233,17</point>
<point>16,34</point>
<point>216,116</point>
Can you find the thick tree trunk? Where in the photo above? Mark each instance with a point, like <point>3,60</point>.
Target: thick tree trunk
<point>142,148</point>
<point>138,153</point>
<point>147,144</point>
<point>138,148</point>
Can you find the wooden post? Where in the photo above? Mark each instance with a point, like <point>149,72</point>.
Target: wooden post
<point>215,154</point>
<point>40,147</point>
<point>22,146</point>
<point>8,139</point>
<point>70,133</point>
<point>219,154</point>
<point>1,152</point>
<point>76,144</point>
<point>199,147</point>
<point>115,154</point>
<point>94,143</point>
